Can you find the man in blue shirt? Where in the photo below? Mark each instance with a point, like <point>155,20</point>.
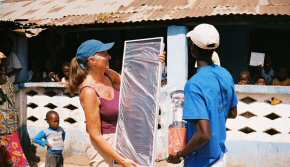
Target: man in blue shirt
<point>209,100</point>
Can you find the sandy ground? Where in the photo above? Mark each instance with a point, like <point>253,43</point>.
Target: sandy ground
<point>72,161</point>
<point>82,161</point>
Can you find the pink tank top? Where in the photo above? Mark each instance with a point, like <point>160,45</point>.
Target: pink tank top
<point>109,110</point>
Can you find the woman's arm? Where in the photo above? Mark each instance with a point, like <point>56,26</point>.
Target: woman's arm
<point>90,103</point>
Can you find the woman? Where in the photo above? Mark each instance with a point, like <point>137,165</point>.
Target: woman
<point>99,96</point>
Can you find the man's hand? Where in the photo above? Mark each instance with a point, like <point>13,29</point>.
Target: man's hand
<point>174,159</point>
<point>233,113</point>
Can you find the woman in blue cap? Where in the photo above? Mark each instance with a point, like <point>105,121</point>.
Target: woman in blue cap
<point>98,88</point>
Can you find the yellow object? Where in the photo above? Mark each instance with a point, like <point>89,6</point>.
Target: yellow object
<point>286,82</point>
<point>1,117</point>
<point>275,101</point>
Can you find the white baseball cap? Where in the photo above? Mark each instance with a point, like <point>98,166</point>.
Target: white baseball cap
<point>205,36</point>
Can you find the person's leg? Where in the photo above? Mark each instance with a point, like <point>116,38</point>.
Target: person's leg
<point>50,160</point>
<point>59,161</point>
<point>96,156</point>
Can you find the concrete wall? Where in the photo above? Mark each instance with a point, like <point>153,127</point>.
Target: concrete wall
<point>260,135</point>
<point>41,98</point>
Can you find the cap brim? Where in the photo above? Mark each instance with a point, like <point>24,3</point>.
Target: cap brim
<point>106,47</point>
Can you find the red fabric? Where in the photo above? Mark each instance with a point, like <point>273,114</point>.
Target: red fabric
<point>13,150</point>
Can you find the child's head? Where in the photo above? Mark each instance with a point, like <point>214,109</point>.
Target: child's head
<point>260,81</point>
<point>52,119</point>
<point>244,78</point>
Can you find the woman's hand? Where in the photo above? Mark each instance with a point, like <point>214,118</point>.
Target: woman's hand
<point>129,163</point>
<point>162,57</point>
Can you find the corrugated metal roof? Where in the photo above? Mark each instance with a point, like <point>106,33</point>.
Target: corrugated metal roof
<point>77,12</point>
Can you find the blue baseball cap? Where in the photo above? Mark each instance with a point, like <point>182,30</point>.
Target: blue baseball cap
<point>90,48</point>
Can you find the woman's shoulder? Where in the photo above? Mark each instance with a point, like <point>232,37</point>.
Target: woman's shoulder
<point>87,89</point>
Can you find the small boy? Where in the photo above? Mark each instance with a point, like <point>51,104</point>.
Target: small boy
<point>53,138</point>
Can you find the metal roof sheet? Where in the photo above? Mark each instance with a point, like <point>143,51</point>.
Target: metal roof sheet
<point>78,12</point>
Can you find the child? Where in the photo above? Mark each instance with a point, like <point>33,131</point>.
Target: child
<point>65,70</point>
<point>261,81</point>
<point>53,138</point>
<point>245,78</point>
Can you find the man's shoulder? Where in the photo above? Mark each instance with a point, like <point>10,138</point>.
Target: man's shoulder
<point>222,69</point>
<point>193,82</point>
<point>223,72</point>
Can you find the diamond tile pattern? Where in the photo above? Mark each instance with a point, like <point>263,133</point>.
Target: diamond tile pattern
<point>50,93</point>
<point>50,105</point>
<point>32,118</point>
<point>272,116</point>
<point>248,114</point>
<point>70,106</point>
<point>272,131</point>
<point>248,100</point>
<point>70,120</point>
<point>71,115</point>
<point>70,95</point>
<point>247,130</point>
<point>32,105</point>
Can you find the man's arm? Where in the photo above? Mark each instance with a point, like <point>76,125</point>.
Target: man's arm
<point>198,140</point>
<point>233,113</point>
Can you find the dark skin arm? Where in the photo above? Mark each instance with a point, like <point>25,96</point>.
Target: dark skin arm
<point>198,140</point>
<point>233,113</point>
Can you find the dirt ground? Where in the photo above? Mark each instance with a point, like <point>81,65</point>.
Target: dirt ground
<point>82,161</point>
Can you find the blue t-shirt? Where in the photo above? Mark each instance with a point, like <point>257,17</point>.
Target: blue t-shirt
<point>53,137</point>
<point>208,95</point>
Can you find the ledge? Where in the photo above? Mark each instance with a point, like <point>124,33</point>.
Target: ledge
<point>43,85</point>
<point>263,89</point>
